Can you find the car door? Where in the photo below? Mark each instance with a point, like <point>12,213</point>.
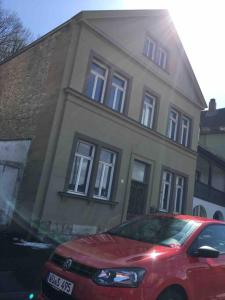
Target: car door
<point>207,275</point>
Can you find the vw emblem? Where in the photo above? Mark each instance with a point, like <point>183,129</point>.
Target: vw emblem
<point>67,264</point>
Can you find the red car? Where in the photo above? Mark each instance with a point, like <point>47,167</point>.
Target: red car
<point>159,257</point>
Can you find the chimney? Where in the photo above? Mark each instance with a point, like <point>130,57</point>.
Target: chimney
<point>212,105</point>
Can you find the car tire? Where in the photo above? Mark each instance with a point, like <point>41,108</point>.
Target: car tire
<point>171,294</point>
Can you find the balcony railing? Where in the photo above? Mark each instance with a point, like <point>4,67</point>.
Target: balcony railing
<point>210,194</point>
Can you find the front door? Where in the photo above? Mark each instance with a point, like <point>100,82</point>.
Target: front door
<point>8,182</point>
<point>139,189</point>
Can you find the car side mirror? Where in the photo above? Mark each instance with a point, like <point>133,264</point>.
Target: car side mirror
<point>205,251</point>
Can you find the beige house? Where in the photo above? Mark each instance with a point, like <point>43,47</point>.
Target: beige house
<point>117,120</point>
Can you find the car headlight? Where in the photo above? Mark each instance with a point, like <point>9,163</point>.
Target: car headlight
<point>124,277</point>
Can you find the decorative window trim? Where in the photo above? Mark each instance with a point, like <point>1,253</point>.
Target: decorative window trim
<point>93,173</point>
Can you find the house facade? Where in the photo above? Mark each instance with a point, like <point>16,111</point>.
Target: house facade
<point>117,122</point>
<point>209,196</point>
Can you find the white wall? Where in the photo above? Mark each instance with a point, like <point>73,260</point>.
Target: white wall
<point>14,151</point>
<point>209,207</point>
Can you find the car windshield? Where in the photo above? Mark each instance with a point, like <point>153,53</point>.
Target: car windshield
<point>166,231</point>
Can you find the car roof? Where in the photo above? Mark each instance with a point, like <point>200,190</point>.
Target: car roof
<point>189,218</point>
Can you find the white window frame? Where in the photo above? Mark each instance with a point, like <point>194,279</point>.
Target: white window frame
<point>183,127</point>
<point>149,40</point>
<point>146,106</point>
<point>173,120</point>
<point>177,188</point>
<point>160,51</point>
<point>105,164</point>
<point>90,158</point>
<point>97,76</point>
<point>122,89</point>
<point>165,183</point>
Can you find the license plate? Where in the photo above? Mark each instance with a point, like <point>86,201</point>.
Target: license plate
<point>60,284</point>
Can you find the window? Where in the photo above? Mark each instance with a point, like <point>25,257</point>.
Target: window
<point>218,216</point>
<point>162,57</point>
<point>173,125</point>
<point>155,52</point>
<point>97,81</point>
<point>148,110</point>
<point>211,236</point>
<point>107,85</point>
<point>81,170</point>
<point>172,192</point>
<point>200,211</point>
<point>179,191</point>
<point>139,171</point>
<point>179,127</point>
<point>185,127</point>
<point>166,191</point>
<point>105,172</point>
<point>117,93</point>
<point>93,169</point>
<point>149,48</point>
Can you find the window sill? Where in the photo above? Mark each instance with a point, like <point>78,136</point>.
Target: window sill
<point>88,199</point>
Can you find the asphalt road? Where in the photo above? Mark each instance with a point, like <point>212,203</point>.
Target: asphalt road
<point>20,268</point>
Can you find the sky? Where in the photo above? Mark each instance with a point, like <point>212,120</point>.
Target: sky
<point>200,25</point>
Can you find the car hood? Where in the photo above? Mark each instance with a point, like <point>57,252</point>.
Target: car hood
<point>105,250</point>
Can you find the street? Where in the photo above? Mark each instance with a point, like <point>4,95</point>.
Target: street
<point>21,263</point>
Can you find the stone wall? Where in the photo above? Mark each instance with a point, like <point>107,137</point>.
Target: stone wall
<point>30,84</point>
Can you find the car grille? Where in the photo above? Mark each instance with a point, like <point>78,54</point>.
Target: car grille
<point>76,267</point>
<point>51,294</point>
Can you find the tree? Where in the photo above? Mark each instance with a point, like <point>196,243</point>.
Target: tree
<point>13,35</point>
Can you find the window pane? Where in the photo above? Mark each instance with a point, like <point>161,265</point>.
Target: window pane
<point>138,173</point>
<point>95,67</point>
<point>104,174</point>
<point>98,178</point>
<point>83,176</point>
<point>119,100</point>
<point>90,85</point>
<point>105,182</point>
<point>75,172</point>
<point>99,89</point>
<point>212,236</point>
<point>84,148</point>
<point>106,156</point>
<point>166,196</point>
<point>116,80</point>
<point>112,96</point>
<point>178,200</point>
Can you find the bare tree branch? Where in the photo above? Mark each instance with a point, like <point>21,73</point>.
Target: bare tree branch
<point>13,36</point>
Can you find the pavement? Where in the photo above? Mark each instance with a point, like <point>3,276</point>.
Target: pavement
<point>21,263</point>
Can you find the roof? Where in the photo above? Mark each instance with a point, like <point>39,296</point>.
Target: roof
<point>213,121</point>
<point>105,14</point>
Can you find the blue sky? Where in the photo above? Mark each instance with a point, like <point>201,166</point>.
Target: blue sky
<point>200,24</point>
